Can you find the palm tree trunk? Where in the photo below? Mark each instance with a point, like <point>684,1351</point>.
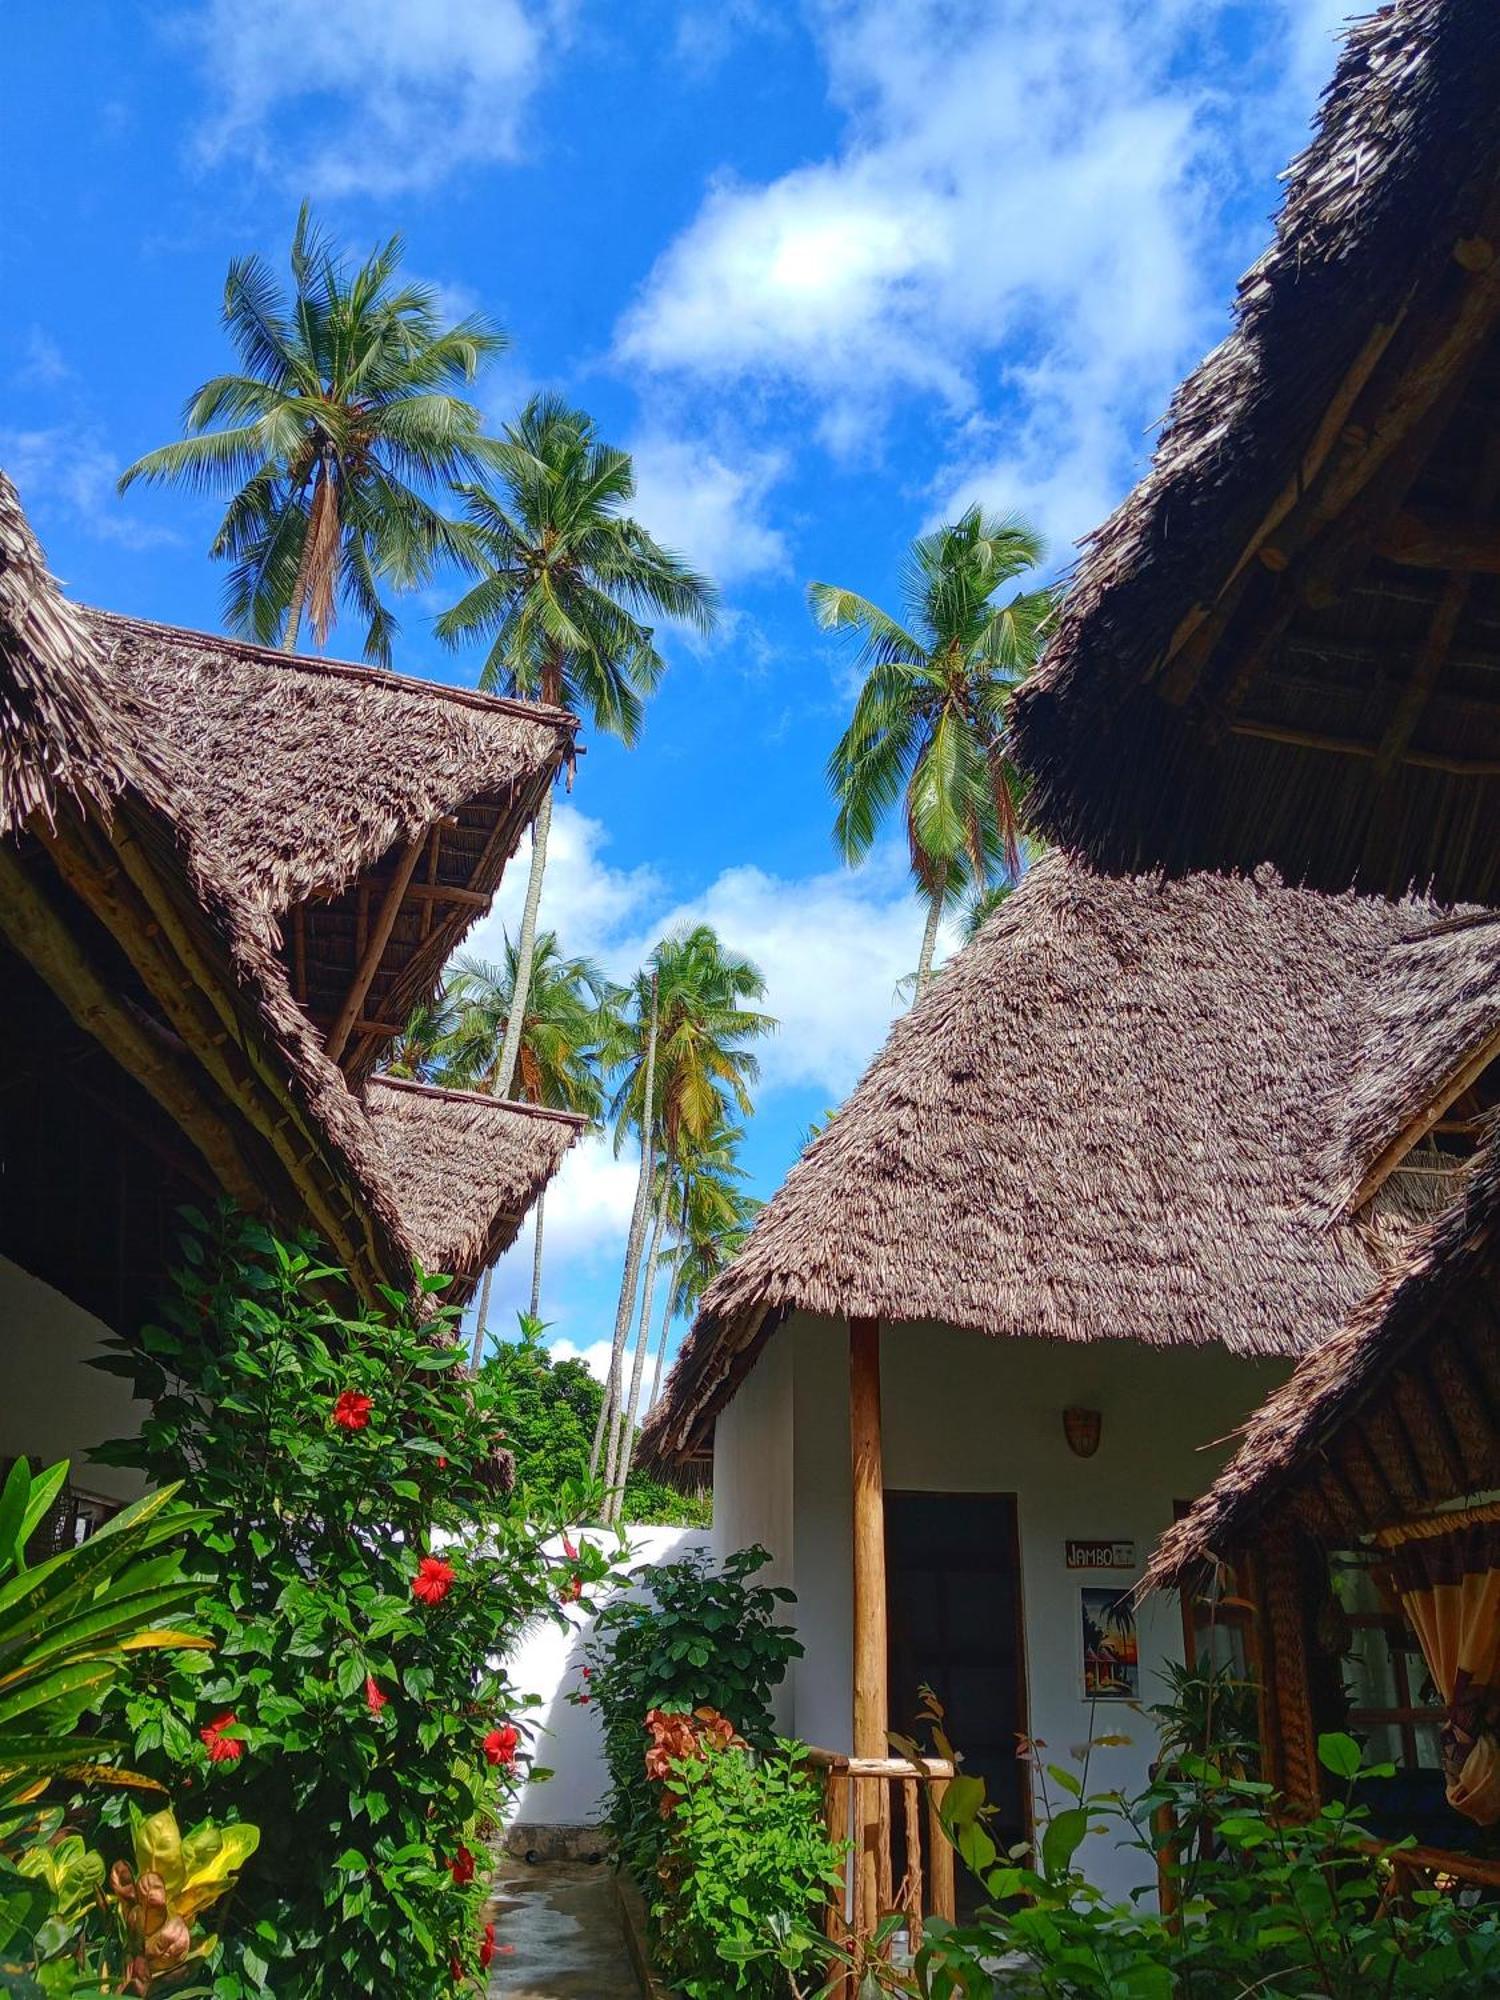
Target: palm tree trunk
<point>510,1048</point>
<point>536,1256</point>
<point>481,1324</point>
<point>666,1322</point>
<point>622,1444</point>
<point>929,935</point>
<point>625,1310</point>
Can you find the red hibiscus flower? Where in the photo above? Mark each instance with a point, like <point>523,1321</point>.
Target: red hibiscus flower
<point>373,1696</point>
<point>352,1411</point>
<point>587,1672</point>
<point>569,1551</point>
<point>462,1865</point>
<point>222,1749</point>
<point>501,1744</point>
<point>433,1580</point>
<point>487,1948</point>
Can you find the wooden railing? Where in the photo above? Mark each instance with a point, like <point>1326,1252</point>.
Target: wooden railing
<point>888,1810</point>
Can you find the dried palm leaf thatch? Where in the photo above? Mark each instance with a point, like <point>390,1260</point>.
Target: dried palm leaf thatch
<point>1196,708</point>
<point>66,726</point>
<point>305,772</point>
<point>468,1168</point>
<point>1111,1117</point>
<point>97,748</point>
<point>1448,1281</point>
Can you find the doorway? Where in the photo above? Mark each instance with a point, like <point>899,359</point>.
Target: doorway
<point>953,1586</point>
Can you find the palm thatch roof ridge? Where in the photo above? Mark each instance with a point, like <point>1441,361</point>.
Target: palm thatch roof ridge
<point>1288,1434</point>
<point>1390,208</point>
<point>306,771</point>
<point>62,730</point>
<point>1110,1117</point>
<point>468,1167</point>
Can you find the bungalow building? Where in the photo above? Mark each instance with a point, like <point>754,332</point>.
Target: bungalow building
<point>1192,1100</point>
<point>226,875</point>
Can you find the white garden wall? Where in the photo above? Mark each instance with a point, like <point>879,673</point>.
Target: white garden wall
<point>962,1413</point>
<point>52,1405</point>
<point>562,1737</point>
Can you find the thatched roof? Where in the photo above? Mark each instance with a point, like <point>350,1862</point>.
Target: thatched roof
<point>1111,1117</point>
<point>312,781</point>
<point>61,734</point>
<point>1284,643</point>
<point>139,764</point>
<point>468,1167</point>
<point>1288,1443</point>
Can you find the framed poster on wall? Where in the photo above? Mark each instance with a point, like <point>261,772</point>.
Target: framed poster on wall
<point>1111,1654</point>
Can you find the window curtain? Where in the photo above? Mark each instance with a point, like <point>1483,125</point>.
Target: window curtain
<point>1446,1570</point>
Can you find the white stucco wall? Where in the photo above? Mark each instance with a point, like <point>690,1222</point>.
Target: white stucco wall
<point>51,1405</point>
<point>965,1414</point>
<point>561,1737</point>
<point>753,1480</point>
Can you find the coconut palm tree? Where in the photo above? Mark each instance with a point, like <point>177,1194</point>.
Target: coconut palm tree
<point>568,1034</point>
<point>420,1051</point>
<point>565,580</point>
<point>344,410</point>
<point>700,1068</point>
<point>929,724</point>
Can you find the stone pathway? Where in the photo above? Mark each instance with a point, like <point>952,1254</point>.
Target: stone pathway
<point>560,1920</point>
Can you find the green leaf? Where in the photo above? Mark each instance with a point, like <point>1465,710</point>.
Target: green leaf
<point>1339,1754</point>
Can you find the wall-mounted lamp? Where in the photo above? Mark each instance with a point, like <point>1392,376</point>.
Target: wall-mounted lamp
<point>1082,1429</point>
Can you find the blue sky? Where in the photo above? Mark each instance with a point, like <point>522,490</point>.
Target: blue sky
<point>830,270</point>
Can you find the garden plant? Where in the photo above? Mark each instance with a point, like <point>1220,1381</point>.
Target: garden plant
<point>364,1566</point>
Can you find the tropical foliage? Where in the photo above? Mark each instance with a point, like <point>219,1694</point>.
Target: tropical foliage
<point>566,579</point>
<point>928,731</point>
<point>550,1408</point>
<point>690,1636</point>
<point>362,1569</point>
<point>688,1068</point>
<point>344,414</point>
<point>70,1623</point>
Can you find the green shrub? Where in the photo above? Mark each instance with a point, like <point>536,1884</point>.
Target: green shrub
<point>68,1627</point>
<point>745,1869</point>
<point>1267,1904</point>
<point>363,1570</point>
<point>551,1409</point>
<point>690,1637</point>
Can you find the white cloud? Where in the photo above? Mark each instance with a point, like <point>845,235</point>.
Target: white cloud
<point>71,468</point>
<point>709,508</point>
<point>42,365</point>
<point>1022,212</point>
<point>590,904</point>
<point>595,1357</point>
<point>338,97</point>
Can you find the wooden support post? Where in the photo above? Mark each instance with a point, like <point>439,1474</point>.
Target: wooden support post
<point>871,1702</point>
<point>374,949</point>
<point>940,1868</point>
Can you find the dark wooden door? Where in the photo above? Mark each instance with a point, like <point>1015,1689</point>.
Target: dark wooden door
<point>954,1620</point>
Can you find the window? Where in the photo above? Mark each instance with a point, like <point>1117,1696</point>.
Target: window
<point>1393,1707</point>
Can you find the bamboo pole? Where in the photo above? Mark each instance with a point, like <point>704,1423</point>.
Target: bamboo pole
<point>940,1868</point>
<point>871,1701</point>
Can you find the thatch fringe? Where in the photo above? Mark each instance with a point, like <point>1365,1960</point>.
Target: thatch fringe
<point>1111,1117</point>
<point>63,727</point>
<point>305,772</point>
<point>468,1167</point>
<point>1286,1439</point>
<point>1404,162</point>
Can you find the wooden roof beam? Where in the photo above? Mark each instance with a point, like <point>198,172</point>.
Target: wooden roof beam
<point>1390,1157</point>
<point>1443,629</point>
<point>1458,542</point>
<point>374,947</point>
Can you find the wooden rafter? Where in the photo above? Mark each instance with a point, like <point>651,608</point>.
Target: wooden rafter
<point>1345,492</point>
<point>1391,1155</point>
<point>46,941</point>
<point>1354,746</point>
<point>1452,602</point>
<point>123,890</point>
<point>374,948</point>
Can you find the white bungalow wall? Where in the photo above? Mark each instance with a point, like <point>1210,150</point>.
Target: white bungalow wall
<point>965,1414</point>
<point>52,1406</point>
